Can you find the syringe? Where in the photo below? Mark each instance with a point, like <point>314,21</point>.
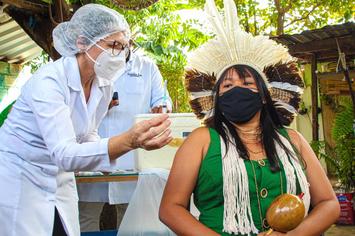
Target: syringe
<point>164,104</point>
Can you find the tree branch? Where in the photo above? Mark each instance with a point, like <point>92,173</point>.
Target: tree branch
<point>303,17</point>
<point>34,6</point>
<point>289,6</point>
<point>278,7</point>
<point>37,26</point>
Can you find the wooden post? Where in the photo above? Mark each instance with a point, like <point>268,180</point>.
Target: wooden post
<point>349,82</point>
<point>314,92</point>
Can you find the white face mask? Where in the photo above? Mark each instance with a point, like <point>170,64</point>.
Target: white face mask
<point>108,66</point>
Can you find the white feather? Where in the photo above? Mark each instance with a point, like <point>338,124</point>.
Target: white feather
<point>288,107</point>
<point>231,45</point>
<point>286,86</point>
<point>204,93</point>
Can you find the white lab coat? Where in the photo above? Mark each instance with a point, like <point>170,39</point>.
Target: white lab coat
<point>139,89</point>
<point>46,134</point>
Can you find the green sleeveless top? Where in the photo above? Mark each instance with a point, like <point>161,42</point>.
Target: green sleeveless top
<point>208,192</point>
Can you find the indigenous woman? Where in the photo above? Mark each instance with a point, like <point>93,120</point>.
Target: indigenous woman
<point>247,89</point>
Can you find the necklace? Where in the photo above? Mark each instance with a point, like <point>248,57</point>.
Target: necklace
<point>250,138</point>
<point>247,137</point>
<point>250,131</point>
<point>255,142</point>
<point>249,134</point>
<point>263,224</point>
<point>254,152</point>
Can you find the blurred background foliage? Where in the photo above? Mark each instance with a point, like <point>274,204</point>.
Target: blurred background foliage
<point>340,156</point>
<point>167,38</point>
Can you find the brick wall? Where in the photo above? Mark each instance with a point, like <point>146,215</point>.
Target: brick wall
<point>8,75</point>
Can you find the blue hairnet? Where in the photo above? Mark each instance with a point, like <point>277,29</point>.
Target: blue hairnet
<point>92,21</point>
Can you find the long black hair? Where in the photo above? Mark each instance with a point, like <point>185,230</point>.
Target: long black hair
<point>269,120</point>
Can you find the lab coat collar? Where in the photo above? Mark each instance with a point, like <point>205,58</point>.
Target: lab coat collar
<point>134,65</point>
<point>101,82</point>
<point>95,97</point>
<point>71,70</point>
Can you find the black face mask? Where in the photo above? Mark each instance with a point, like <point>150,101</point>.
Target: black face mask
<point>239,105</point>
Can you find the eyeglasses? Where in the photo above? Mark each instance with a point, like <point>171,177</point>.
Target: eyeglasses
<point>117,47</point>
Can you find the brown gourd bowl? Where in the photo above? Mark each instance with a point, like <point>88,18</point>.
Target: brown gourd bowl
<point>285,213</point>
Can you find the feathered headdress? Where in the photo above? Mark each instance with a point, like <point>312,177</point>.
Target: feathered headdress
<point>233,46</point>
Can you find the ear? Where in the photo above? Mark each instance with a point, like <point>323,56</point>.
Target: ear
<point>82,43</point>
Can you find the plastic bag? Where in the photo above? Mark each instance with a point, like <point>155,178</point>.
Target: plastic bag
<point>142,215</point>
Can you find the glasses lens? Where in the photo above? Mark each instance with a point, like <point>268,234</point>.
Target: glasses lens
<point>116,52</point>
<point>117,48</point>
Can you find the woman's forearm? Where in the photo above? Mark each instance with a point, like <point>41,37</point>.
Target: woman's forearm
<point>320,218</point>
<point>119,145</point>
<point>179,220</point>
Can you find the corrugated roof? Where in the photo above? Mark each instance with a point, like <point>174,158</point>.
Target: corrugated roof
<point>15,45</point>
<point>330,31</point>
<point>321,42</point>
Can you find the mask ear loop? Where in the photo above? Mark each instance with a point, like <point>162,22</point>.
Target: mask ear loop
<point>92,59</point>
<point>84,48</point>
<point>94,43</point>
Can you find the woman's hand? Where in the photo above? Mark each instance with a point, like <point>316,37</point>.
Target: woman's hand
<point>151,134</point>
<point>148,134</point>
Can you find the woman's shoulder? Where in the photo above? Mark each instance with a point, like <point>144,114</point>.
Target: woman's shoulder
<point>200,133</point>
<point>198,138</point>
<point>295,137</point>
<point>293,134</point>
<point>204,132</point>
<point>48,71</point>
<point>46,82</point>
<point>208,138</point>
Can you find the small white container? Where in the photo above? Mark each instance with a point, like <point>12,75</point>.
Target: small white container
<point>181,125</point>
